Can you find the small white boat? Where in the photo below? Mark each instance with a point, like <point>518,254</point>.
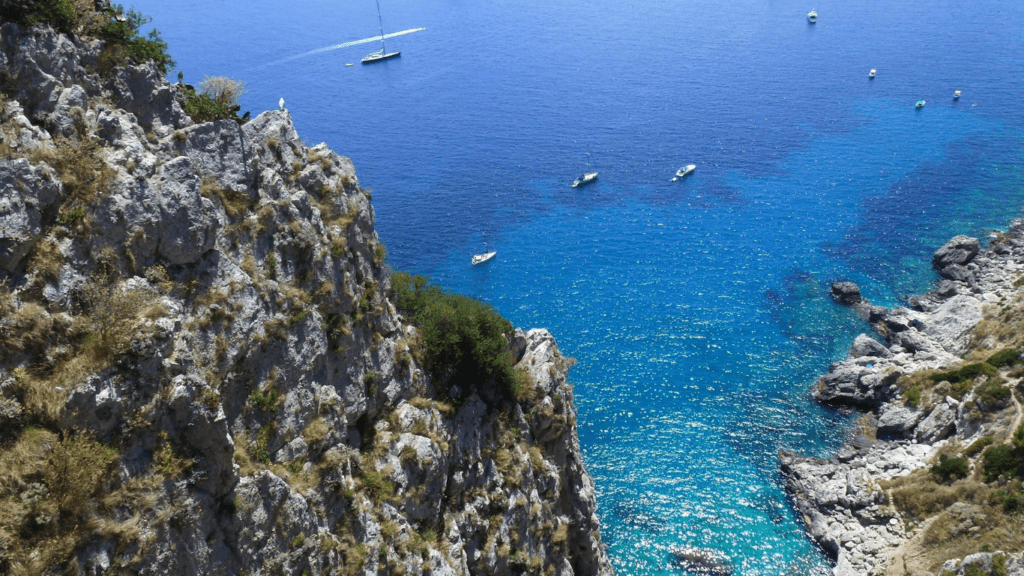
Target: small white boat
<point>872,73</point>
<point>685,171</point>
<point>920,104</point>
<point>812,16</point>
<point>349,64</point>
<point>484,257</point>
<point>956,95</point>
<point>584,179</point>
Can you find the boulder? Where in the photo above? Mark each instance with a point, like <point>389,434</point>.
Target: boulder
<point>897,418</point>
<point>865,345</point>
<point>846,293</point>
<point>939,424</point>
<point>958,251</point>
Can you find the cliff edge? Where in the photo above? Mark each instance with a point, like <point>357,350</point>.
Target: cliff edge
<point>202,369</point>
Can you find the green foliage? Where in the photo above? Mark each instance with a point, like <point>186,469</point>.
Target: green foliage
<point>297,541</point>
<point>1018,437</point>
<point>121,33</point>
<point>913,396</point>
<point>266,399</point>
<point>217,99</point>
<point>1007,357</point>
<point>76,468</point>
<point>378,488</point>
<point>950,468</point>
<point>975,570</point>
<point>260,449</point>
<point>1013,502</point>
<point>993,391</point>
<point>968,372</point>
<point>60,14</point>
<point>978,445</point>
<point>999,461</point>
<point>466,341</point>
<point>999,565</point>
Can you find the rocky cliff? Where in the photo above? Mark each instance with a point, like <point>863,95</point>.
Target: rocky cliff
<point>202,370</point>
<point>914,487</point>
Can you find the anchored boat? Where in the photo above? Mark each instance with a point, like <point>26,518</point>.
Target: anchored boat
<point>383,53</point>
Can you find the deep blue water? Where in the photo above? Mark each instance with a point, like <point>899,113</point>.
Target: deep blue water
<point>698,310</point>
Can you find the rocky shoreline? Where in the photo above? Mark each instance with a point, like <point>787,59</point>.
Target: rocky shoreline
<point>845,501</point>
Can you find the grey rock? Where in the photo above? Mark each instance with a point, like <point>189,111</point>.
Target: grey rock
<point>939,424</point>
<point>958,251</point>
<point>865,345</point>
<point>846,293</point>
<point>898,418</point>
<point>28,191</point>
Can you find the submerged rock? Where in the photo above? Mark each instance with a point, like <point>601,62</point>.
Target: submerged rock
<point>703,561</point>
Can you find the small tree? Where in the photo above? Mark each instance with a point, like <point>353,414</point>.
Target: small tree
<point>223,90</point>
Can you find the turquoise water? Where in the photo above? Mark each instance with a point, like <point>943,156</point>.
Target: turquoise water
<point>698,310</point>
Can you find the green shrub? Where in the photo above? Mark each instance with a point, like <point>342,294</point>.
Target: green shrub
<point>968,372</point>
<point>1013,502</point>
<point>121,33</point>
<point>1007,357</point>
<point>378,488</point>
<point>975,570</point>
<point>999,461</point>
<point>999,565</point>
<point>217,100</point>
<point>265,400</point>
<point>465,340</point>
<point>978,445</point>
<point>76,468</point>
<point>913,396</point>
<point>1018,437</point>
<point>950,468</point>
<point>993,391</point>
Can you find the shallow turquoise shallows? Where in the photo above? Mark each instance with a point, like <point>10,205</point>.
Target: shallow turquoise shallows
<point>698,309</point>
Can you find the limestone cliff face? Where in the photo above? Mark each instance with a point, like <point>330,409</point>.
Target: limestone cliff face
<point>208,305</point>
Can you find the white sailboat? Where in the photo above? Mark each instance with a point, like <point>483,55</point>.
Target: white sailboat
<point>383,53</point>
<point>483,256</point>
<point>587,177</point>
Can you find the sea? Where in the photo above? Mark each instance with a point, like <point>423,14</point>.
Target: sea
<point>698,310</point>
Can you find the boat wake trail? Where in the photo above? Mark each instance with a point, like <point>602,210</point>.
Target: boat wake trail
<point>342,45</point>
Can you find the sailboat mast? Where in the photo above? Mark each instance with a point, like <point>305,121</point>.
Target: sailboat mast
<point>380,21</point>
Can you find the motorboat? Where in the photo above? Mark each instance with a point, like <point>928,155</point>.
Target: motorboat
<point>483,257</point>
<point>872,73</point>
<point>919,105</point>
<point>812,16</point>
<point>685,171</point>
<point>956,95</point>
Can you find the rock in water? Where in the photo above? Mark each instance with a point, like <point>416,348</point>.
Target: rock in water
<point>846,293</point>
<point>703,561</point>
<point>958,251</point>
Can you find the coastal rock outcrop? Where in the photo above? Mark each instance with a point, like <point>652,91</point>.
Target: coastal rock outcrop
<point>847,502</point>
<point>197,319</point>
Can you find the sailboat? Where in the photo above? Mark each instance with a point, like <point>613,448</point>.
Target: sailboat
<point>383,53</point>
<point>587,177</point>
<point>483,256</point>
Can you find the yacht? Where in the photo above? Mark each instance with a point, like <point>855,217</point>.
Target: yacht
<point>872,73</point>
<point>383,53</point>
<point>586,177</point>
<point>812,16</point>
<point>685,171</point>
<point>956,95</point>
<point>483,257</point>
<point>920,104</point>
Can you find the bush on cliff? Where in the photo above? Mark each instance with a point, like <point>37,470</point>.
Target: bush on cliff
<point>950,468</point>
<point>466,341</point>
<point>968,372</point>
<point>115,26</point>
<point>999,461</point>
<point>217,100</point>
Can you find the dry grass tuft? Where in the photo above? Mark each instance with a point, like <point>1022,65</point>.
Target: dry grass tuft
<point>235,203</point>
